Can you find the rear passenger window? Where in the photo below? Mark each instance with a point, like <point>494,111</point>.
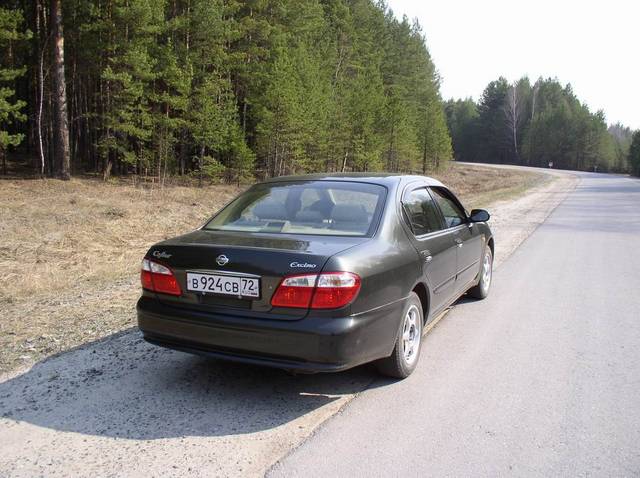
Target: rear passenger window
<point>421,212</point>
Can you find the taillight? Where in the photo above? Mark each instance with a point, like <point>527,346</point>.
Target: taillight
<point>335,289</point>
<point>330,290</point>
<point>295,291</point>
<point>158,278</point>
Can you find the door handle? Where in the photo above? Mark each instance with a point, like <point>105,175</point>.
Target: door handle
<point>459,241</point>
<point>426,256</point>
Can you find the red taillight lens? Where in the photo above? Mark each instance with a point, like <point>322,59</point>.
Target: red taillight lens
<point>158,278</point>
<point>330,290</point>
<point>295,291</point>
<point>145,278</point>
<point>335,289</point>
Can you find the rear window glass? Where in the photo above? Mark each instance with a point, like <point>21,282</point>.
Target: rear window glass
<point>333,208</point>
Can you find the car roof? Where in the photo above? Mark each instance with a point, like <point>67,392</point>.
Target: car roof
<point>373,178</point>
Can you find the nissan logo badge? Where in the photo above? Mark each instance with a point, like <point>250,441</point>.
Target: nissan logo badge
<point>222,259</point>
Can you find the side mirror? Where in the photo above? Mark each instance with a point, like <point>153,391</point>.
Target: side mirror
<point>479,215</point>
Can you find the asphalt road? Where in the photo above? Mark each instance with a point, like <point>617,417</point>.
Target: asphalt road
<point>540,379</point>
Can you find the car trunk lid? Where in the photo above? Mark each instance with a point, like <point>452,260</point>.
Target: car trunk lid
<point>268,257</point>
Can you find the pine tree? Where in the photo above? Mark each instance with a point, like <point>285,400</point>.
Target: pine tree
<point>132,27</point>
<point>462,121</point>
<point>61,120</point>
<point>229,89</point>
<point>11,24</point>
<point>493,133</point>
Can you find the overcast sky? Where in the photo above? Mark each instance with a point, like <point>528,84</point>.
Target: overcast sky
<point>594,45</point>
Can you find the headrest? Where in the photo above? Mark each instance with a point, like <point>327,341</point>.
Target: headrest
<point>269,209</point>
<point>351,213</point>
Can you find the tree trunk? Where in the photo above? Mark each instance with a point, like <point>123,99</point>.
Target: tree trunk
<point>514,113</point>
<point>424,158</point>
<point>533,113</point>
<point>200,165</point>
<point>390,151</point>
<point>61,122</point>
<point>41,45</point>
<point>106,173</point>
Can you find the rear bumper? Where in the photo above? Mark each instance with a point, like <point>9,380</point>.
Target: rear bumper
<point>312,344</point>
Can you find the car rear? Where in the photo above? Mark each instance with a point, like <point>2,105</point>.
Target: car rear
<point>251,285</point>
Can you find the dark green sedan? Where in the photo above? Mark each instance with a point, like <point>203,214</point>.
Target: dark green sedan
<point>318,273</point>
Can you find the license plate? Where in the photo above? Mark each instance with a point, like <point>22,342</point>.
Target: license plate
<point>222,284</point>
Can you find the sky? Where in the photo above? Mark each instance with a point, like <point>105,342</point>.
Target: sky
<point>594,45</point>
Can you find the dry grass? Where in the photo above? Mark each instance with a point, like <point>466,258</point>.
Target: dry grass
<point>479,186</point>
<point>70,255</point>
<point>70,251</point>
<point>57,235</point>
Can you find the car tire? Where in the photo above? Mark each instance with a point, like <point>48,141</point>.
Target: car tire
<point>406,352</point>
<point>481,290</point>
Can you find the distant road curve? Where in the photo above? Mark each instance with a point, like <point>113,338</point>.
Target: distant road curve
<point>513,220</point>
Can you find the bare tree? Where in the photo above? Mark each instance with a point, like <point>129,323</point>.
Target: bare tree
<point>534,95</point>
<point>514,113</point>
<point>40,96</point>
<point>61,122</point>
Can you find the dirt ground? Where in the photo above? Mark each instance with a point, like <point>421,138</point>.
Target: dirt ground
<point>70,251</point>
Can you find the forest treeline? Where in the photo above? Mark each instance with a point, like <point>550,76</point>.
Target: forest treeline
<point>218,88</point>
<point>241,89</point>
<point>539,124</point>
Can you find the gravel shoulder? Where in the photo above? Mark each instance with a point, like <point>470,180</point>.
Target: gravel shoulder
<point>513,220</point>
<point>118,406</point>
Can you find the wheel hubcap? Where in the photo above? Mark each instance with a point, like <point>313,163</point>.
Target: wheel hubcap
<point>411,335</point>
<point>486,272</point>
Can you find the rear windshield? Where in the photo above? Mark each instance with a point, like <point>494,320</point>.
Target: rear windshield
<point>329,208</point>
